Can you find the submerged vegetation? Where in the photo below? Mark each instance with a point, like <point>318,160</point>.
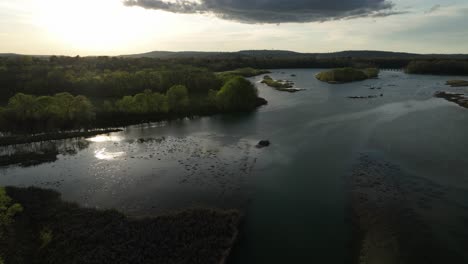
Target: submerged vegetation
<point>50,231</point>
<point>343,75</point>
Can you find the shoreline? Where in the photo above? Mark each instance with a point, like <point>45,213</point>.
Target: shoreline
<point>103,127</point>
<point>25,139</point>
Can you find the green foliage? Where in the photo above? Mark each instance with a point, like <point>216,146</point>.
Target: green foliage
<point>62,110</point>
<point>372,72</point>
<point>24,106</point>
<point>7,210</point>
<point>147,102</point>
<point>178,99</point>
<point>237,94</point>
<point>99,77</point>
<point>347,75</point>
<point>244,72</point>
<point>45,236</point>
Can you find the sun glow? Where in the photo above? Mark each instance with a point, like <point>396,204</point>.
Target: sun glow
<point>94,26</point>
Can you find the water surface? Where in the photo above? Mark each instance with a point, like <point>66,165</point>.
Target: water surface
<point>295,193</point>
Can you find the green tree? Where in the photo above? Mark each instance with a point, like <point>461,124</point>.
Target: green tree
<point>143,103</point>
<point>7,210</point>
<point>178,99</point>
<point>126,104</point>
<point>82,110</point>
<point>237,94</point>
<point>23,106</point>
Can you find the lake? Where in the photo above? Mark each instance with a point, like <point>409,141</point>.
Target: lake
<point>295,193</point>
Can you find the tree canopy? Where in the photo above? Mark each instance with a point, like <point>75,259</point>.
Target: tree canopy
<point>237,94</point>
<point>178,98</point>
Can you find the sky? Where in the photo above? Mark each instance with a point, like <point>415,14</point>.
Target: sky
<point>117,27</point>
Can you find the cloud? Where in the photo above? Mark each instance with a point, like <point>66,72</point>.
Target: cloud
<point>433,9</point>
<point>274,11</point>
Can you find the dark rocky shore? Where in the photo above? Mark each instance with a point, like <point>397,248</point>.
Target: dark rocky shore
<point>52,231</point>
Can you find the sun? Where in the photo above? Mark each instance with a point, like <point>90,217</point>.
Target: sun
<point>91,25</point>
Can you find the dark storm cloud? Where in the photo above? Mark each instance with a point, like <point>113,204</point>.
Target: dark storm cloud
<point>274,11</point>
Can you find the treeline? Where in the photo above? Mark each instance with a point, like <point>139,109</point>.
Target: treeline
<point>448,67</point>
<point>99,77</point>
<point>114,77</point>
<point>63,111</point>
<point>105,77</point>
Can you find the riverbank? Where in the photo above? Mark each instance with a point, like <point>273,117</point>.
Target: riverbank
<point>50,230</point>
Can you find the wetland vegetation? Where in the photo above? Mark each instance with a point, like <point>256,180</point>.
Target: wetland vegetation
<point>36,226</point>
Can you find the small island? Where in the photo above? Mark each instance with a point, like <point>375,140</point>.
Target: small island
<point>344,75</point>
<point>280,85</point>
<point>457,83</point>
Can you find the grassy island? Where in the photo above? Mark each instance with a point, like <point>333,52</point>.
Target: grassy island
<point>38,227</point>
<point>280,85</point>
<point>244,72</point>
<point>343,75</point>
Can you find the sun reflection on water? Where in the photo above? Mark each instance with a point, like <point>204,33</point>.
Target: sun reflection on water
<point>104,138</point>
<point>102,154</point>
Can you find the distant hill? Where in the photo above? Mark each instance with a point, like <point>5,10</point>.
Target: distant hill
<point>9,55</point>
<point>368,54</point>
<point>20,55</point>
<point>361,54</point>
<point>291,54</point>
